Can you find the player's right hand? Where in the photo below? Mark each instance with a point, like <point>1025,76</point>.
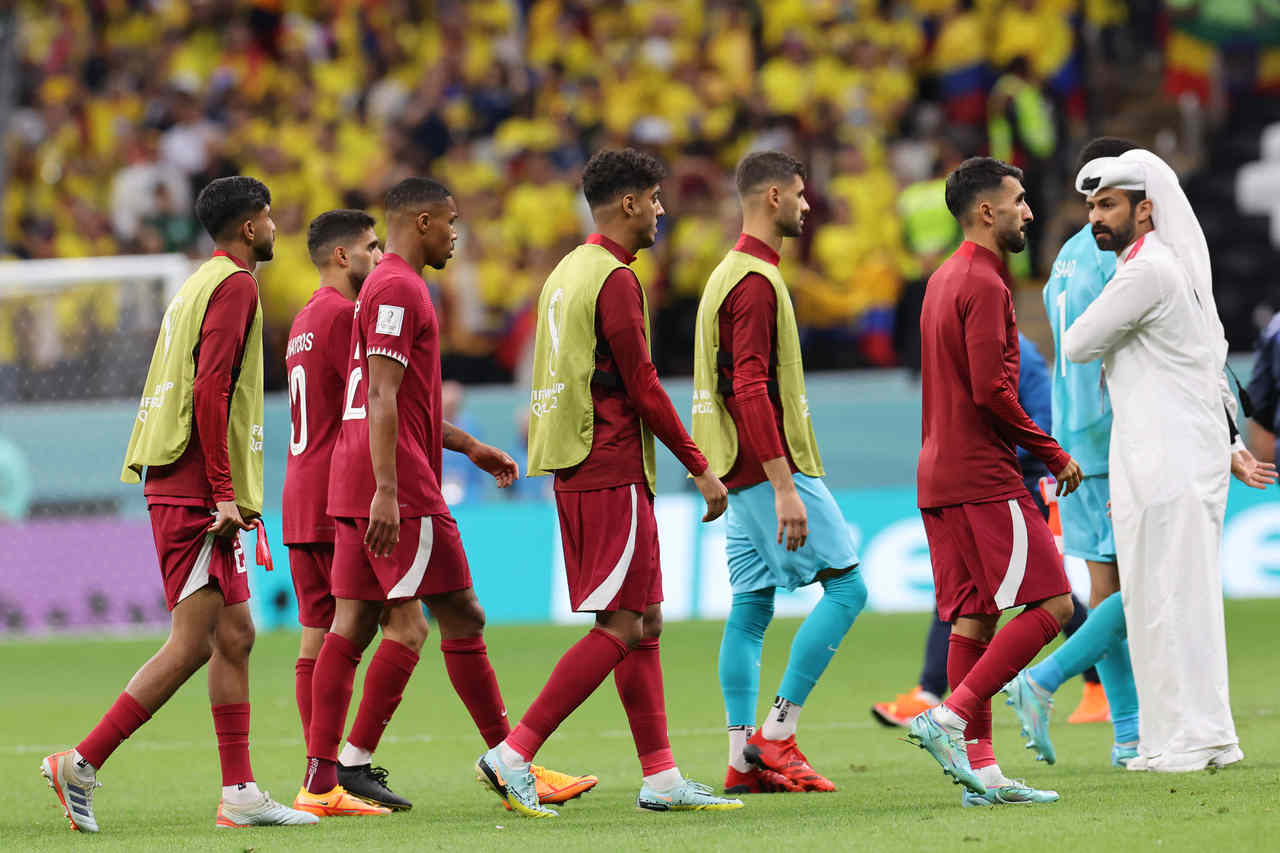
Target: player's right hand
<point>384,524</point>
<point>228,521</point>
<point>714,493</point>
<point>793,519</point>
<point>1068,478</point>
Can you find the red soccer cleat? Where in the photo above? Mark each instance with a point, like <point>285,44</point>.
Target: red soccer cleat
<point>785,758</point>
<point>757,781</point>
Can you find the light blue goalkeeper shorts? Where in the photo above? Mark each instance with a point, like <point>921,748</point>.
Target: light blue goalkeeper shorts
<point>758,561</point>
<point>1086,527</point>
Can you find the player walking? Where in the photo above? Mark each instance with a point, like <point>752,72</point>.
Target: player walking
<point>344,247</point>
<point>199,435</point>
<point>1082,424</point>
<point>751,416</point>
<point>1163,351</point>
<point>990,547</point>
<point>596,405</point>
<point>395,544</point>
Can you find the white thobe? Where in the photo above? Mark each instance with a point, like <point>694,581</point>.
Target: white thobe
<point>1170,457</point>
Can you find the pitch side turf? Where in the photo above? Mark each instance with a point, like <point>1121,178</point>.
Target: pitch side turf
<point>160,790</point>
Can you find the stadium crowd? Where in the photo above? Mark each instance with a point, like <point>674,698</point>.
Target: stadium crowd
<point>126,108</point>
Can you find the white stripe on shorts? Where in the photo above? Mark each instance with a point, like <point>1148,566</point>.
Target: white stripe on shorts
<point>603,594</point>
<point>408,585</point>
<point>1007,594</point>
<point>199,577</point>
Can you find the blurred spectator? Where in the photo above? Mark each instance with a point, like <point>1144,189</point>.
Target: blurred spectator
<point>330,103</point>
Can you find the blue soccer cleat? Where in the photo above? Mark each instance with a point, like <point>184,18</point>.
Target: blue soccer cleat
<point>947,748</point>
<point>1122,754</point>
<point>1016,792</point>
<point>1033,707</point>
<point>688,796</point>
<point>517,788</point>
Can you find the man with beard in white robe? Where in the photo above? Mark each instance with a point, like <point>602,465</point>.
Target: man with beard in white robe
<point>1173,447</point>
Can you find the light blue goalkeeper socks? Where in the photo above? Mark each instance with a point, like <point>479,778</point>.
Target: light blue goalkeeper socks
<point>1102,641</point>
<point>740,650</point>
<point>820,634</point>
<point>1116,674</point>
<point>1084,648</point>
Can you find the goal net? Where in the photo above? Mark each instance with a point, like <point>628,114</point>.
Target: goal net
<point>76,337</point>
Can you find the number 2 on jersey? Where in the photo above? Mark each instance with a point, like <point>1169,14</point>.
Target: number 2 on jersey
<point>352,411</point>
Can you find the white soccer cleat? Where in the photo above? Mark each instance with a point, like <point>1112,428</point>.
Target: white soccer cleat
<point>74,791</point>
<point>262,812</point>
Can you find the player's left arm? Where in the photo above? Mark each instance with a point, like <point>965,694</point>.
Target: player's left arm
<point>486,457</point>
<point>1132,296</point>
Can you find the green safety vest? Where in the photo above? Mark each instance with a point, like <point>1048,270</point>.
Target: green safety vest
<point>1033,114</point>
<point>929,226</point>
<point>713,428</point>
<point>561,414</point>
<point>165,414</point>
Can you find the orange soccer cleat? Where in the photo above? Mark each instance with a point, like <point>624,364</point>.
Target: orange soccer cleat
<point>556,787</point>
<point>785,758</point>
<point>907,705</point>
<point>757,781</point>
<point>1093,707</point>
<point>335,803</point>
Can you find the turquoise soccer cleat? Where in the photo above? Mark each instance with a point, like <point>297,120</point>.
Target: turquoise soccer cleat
<point>1033,707</point>
<point>1016,792</point>
<point>1121,755</point>
<point>947,748</point>
<point>516,788</point>
<point>688,796</point>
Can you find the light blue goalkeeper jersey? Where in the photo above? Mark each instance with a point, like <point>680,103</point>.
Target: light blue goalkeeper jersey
<point>1081,408</point>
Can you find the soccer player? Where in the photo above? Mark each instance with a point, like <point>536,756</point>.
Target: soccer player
<point>596,404</point>
<point>1034,395</point>
<point>1082,424</point>
<point>396,546</point>
<point>199,435</point>
<point>990,547</point>
<point>751,417</point>
<point>345,249</point>
<point>1155,326</point>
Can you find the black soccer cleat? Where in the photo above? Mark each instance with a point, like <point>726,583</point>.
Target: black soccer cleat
<point>369,783</point>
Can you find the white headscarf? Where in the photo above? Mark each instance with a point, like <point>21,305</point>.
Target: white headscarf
<point>1171,213</point>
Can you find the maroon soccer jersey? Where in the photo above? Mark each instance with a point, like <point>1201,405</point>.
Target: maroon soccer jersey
<point>394,319</point>
<point>316,360</point>
<point>972,419</point>
<point>616,457</point>
<point>748,321</point>
<point>202,474</point>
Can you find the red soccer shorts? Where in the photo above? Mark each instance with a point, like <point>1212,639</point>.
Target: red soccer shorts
<point>312,568</point>
<point>191,558</point>
<point>428,560</point>
<point>610,540</point>
<point>988,557</point>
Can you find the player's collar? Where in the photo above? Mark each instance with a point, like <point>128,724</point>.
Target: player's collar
<point>615,248</point>
<point>757,248</point>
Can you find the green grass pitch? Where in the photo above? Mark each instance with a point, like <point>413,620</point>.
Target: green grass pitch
<point>161,788</point>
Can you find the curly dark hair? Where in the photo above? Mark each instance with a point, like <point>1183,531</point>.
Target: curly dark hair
<point>225,203</point>
<point>1103,146</point>
<point>415,193</point>
<point>972,178</point>
<point>772,166</point>
<point>611,173</point>
<point>333,227</point>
